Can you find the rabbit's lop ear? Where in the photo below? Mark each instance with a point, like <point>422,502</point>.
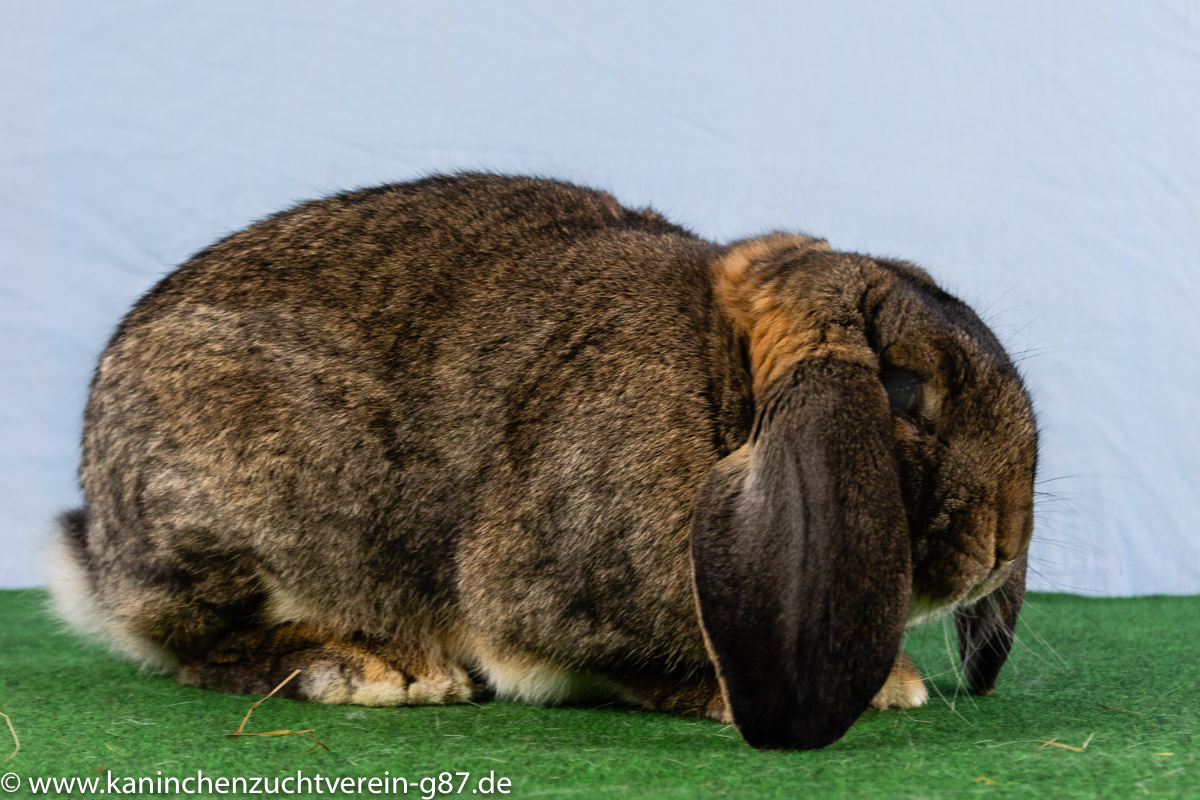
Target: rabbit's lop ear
<point>800,543</point>
<point>986,630</point>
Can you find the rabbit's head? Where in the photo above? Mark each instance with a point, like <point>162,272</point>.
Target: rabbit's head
<point>888,478</point>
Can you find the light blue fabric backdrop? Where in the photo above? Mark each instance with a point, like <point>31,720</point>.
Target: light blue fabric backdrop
<point>1041,159</point>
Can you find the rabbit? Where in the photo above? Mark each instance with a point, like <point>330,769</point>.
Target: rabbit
<point>480,435</point>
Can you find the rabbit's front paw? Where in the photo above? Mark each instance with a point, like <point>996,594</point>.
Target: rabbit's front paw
<point>904,687</point>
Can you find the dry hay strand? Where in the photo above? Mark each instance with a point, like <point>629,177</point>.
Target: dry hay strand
<point>1052,743</point>
<point>307,733</point>
<point>16,741</point>
<point>1118,708</point>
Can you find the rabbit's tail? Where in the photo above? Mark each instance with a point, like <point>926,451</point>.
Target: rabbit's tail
<point>74,597</point>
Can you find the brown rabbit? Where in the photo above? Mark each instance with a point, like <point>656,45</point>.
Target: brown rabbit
<point>479,432</point>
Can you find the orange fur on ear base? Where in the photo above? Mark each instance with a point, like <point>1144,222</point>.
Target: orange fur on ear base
<point>780,328</point>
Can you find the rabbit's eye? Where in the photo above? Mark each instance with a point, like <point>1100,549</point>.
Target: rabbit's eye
<point>903,389</point>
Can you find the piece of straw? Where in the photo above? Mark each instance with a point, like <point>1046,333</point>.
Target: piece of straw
<point>16,741</point>
<point>1117,708</point>
<point>1053,743</point>
<point>307,733</point>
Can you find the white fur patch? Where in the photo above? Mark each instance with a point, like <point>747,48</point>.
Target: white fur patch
<point>325,683</point>
<point>918,695</point>
<point>921,610</point>
<point>533,681</point>
<point>74,603</point>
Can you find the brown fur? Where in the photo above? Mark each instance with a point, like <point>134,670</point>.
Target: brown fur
<point>697,697</point>
<point>486,423</point>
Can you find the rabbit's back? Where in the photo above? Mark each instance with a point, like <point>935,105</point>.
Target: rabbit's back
<point>470,403</point>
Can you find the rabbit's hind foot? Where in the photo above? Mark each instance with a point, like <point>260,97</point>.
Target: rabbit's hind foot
<point>356,671</point>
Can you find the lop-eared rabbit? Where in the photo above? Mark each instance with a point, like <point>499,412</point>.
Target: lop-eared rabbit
<point>481,435</point>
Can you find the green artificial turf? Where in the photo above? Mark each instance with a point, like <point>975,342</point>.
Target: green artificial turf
<point>79,712</point>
